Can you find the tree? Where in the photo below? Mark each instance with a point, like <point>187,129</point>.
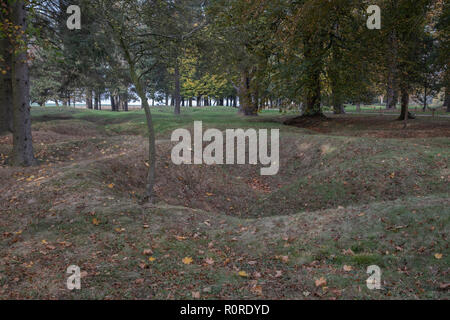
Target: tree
<point>5,68</point>
<point>238,34</point>
<point>22,153</point>
<point>443,37</point>
<point>127,29</point>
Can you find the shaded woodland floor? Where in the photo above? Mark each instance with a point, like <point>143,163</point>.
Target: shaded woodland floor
<point>352,191</point>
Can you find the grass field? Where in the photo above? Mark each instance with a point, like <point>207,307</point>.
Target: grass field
<point>352,191</point>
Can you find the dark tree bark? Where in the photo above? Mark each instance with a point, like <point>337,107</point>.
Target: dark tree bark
<point>425,98</point>
<point>125,102</point>
<point>89,98</point>
<point>249,103</point>
<point>6,117</point>
<point>405,114</point>
<point>312,88</point>
<point>392,89</point>
<point>22,154</point>
<point>167,99</point>
<point>338,106</point>
<point>313,97</point>
<point>447,99</point>
<point>447,90</point>
<point>177,95</point>
<point>113,103</point>
<point>95,101</point>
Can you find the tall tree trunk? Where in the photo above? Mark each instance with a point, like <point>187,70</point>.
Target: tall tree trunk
<point>95,101</point>
<point>99,101</point>
<point>125,102</point>
<point>177,95</point>
<point>425,98</point>
<point>338,106</point>
<point>447,90</point>
<point>405,114</point>
<point>447,99</point>
<point>248,107</point>
<point>6,117</point>
<point>89,98</point>
<point>167,99</point>
<point>392,88</point>
<point>23,154</point>
<point>113,102</point>
<point>151,176</point>
<point>313,96</point>
<point>405,106</point>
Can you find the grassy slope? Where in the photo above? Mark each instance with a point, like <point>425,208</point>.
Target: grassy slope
<point>385,199</point>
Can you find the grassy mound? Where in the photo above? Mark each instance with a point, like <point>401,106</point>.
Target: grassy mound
<point>338,205</point>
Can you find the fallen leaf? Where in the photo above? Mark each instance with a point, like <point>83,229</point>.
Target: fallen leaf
<point>209,261</point>
<point>284,259</point>
<point>348,268</point>
<point>147,252</point>
<point>349,252</point>
<point>187,260</point>
<point>151,259</point>
<point>243,274</point>
<point>321,282</point>
<point>111,185</point>
<point>196,295</point>
<point>257,290</point>
<point>95,221</point>
<point>438,256</point>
